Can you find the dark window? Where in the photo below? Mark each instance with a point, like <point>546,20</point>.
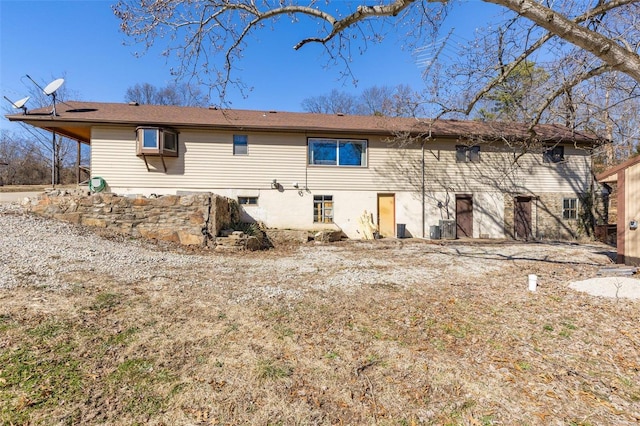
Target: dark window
<point>553,154</point>
<point>337,152</point>
<point>170,142</point>
<point>248,201</point>
<point>323,208</point>
<point>570,208</point>
<point>467,154</point>
<point>240,145</point>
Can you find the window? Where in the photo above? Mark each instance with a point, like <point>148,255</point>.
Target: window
<point>323,208</point>
<point>553,154</point>
<point>248,201</point>
<point>150,138</point>
<point>570,208</point>
<point>170,142</point>
<point>157,141</point>
<point>467,154</point>
<point>240,145</point>
<point>338,152</point>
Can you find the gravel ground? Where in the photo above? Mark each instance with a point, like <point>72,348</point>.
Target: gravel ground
<point>51,254</point>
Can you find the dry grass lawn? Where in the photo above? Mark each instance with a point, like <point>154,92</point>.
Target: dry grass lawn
<point>380,333</point>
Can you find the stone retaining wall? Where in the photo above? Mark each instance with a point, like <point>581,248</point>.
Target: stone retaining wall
<point>188,219</point>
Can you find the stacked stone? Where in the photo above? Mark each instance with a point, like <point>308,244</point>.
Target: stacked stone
<point>188,220</point>
<point>230,240</point>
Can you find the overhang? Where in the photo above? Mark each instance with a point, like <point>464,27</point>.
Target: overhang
<point>75,119</point>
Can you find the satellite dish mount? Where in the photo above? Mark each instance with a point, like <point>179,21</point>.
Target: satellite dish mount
<point>19,104</point>
<point>50,90</point>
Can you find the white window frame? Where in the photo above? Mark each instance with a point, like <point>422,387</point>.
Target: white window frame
<point>311,161</point>
<point>238,143</point>
<point>570,212</point>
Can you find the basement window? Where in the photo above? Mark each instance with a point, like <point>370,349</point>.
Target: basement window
<point>323,208</point>
<point>569,208</point>
<point>157,141</point>
<point>248,201</point>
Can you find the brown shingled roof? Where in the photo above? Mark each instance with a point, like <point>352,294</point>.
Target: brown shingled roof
<point>77,114</point>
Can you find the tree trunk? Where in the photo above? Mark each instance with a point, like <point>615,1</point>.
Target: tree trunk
<point>607,50</point>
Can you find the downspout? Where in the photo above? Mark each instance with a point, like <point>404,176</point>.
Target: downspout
<point>423,193</point>
<point>537,198</point>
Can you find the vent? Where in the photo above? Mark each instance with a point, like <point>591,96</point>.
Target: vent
<point>448,229</point>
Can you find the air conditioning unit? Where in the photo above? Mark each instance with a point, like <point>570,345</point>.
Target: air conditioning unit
<point>448,229</point>
<point>434,232</point>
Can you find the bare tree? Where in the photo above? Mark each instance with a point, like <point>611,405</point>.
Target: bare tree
<point>398,101</point>
<point>172,94</point>
<point>388,101</point>
<point>333,103</point>
<point>144,93</point>
<point>19,163</point>
<point>199,30</point>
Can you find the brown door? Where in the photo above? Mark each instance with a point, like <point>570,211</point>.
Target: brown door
<point>387,215</point>
<point>522,218</point>
<point>464,216</point>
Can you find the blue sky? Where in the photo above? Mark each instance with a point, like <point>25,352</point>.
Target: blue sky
<point>80,40</point>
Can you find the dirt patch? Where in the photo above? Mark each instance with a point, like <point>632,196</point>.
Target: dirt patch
<point>32,188</point>
<point>118,331</point>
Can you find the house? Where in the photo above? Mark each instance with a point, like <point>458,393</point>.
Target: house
<point>627,178</point>
<point>464,179</point>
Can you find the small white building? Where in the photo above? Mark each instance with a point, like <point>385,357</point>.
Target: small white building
<point>314,171</point>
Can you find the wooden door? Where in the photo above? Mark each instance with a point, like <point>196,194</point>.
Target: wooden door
<point>464,216</point>
<point>522,218</point>
<point>387,215</point>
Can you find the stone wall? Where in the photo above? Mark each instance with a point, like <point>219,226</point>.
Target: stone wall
<point>189,219</point>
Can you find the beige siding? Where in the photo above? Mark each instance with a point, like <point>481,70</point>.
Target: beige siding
<point>499,171</point>
<point>206,162</point>
<point>632,212</point>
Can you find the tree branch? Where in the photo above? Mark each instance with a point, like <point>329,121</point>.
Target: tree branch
<point>610,52</point>
<point>362,12</point>
<point>506,71</point>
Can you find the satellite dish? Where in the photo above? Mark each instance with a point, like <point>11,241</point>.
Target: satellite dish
<point>19,104</point>
<point>50,89</point>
